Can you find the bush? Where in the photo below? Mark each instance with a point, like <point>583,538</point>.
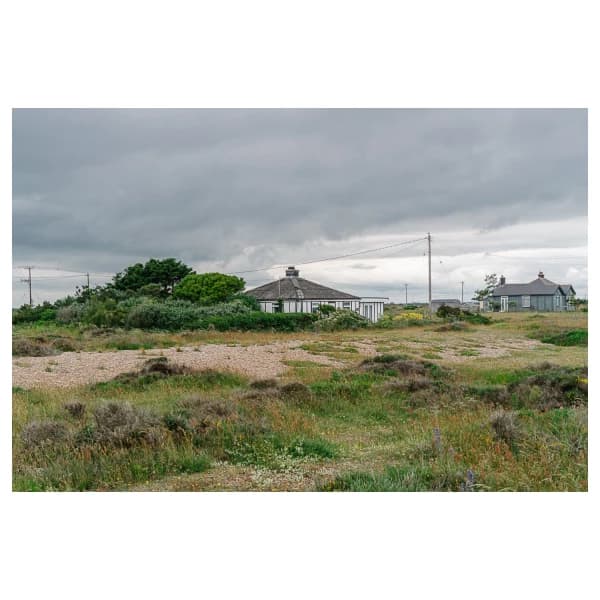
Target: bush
<point>120,424</point>
<point>262,384</point>
<point>76,409</point>
<point>261,321</point>
<point>341,319</point>
<point>29,314</point>
<point>456,313</point>
<point>550,387</point>
<point>39,346</point>
<point>208,288</point>
<point>295,392</point>
<point>250,301</point>
<point>574,337</point>
<point>174,315</point>
<point>506,427</point>
<point>41,433</point>
<point>72,313</point>
<point>445,312</point>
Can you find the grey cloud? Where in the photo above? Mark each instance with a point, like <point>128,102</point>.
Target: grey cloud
<point>98,189</point>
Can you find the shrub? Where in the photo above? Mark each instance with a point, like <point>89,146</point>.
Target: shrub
<point>454,326</point>
<point>341,319</point>
<point>456,313</point>
<point>249,301</point>
<point>393,364</point>
<point>506,427</point>
<point>208,288</point>
<point>493,394</point>
<point>30,314</point>
<point>163,315</point>
<point>295,392</point>
<point>409,316</point>
<point>550,387</point>
<point>76,409</point>
<point>445,312</point>
<point>72,313</point>
<point>326,309</point>
<point>64,344</point>
<point>120,424</point>
<point>574,337</point>
<point>261,384</point>
<point>409,384</point>
<point>40,433</point>
<point>39,346</point>
<point>261,321</point>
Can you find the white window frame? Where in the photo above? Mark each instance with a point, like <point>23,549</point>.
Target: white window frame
<point>503,303</point>
<point>526,301</point>
<point>346,305</point>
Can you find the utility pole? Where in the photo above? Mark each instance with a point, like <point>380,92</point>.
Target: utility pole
<point>429,261</point>
<point>88,282</point>
<point>462,292</point>
<point>28,280</point>
<point>406,290</point>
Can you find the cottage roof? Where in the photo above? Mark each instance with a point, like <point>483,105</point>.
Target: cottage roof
<point>292,287</point>
<point>538,287</point>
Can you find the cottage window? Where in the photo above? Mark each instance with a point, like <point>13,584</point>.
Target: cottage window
<point>526,301</point>
<point>346,305</point>
<point>315,306</point>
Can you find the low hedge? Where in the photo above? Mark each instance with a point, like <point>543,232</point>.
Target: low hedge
<point>260,321</point>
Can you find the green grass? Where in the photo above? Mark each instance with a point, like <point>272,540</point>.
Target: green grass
<point>356,428</point>
<point>575,337</point>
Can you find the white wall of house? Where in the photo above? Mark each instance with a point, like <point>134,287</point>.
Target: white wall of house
<point>370,308</point>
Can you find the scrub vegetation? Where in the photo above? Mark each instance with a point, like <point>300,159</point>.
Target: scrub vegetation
<point>409,408</point>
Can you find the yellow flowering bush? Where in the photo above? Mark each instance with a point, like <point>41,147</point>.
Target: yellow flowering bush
<point>409,316</point>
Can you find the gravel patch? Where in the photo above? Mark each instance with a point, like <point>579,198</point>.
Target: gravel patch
<point>80,368</point>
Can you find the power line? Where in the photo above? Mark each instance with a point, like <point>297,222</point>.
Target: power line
<point>310,262</point>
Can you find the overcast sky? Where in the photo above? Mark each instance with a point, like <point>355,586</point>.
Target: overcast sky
<point>501,191</point>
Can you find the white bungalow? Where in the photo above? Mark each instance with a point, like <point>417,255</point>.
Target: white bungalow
<point>296,294</point>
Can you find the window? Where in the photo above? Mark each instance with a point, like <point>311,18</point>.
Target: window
<point>346,305</point>
<point>315,306</point>
<point>277,307</point>
<point>526,301</point>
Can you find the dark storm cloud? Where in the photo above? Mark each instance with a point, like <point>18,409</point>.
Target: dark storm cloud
<point>98,189</point>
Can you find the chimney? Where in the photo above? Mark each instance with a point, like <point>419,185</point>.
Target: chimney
<point>502,280</point>
<point>541,275</point>
<point>292,272</point>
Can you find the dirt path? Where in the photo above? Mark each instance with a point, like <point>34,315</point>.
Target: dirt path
<point>79,368</point>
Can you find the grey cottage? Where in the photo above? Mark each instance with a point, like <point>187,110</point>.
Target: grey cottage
<point>541,294</point>
<point>293,293</point>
